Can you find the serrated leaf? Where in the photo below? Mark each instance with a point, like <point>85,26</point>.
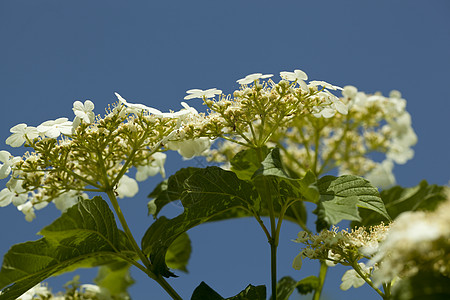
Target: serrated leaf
<point>285,288</point>
<point>397,199</point>
<point>115,278</point>
<point>251,293</point>
<point>308,285</point>
<point>168,190</point>
<point>245,163</point>
<point>84,236</point>
<point>341,196</point>
<point>204,292</point>
<point>179,252</point>
<point>208,192</point>
<point>271,178</point>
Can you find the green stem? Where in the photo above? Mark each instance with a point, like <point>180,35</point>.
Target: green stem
<point>158,278</point>
<point>366,278</point>
<point>126,229</point>
<point>322,275</point>
<point>273,240</point>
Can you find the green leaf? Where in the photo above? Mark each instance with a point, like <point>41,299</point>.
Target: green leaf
<point>424,285</point>
<point>178,254</point>
<point>168,190</point>
<point>308,285</point>
<point>271,178</point>
<point>341,196</point>
<point>208,192</point>
<point>204,292</point>
<point>251,293</point>
<point>397,199</point>
<point>84,236</point>
<point>285,287</point>
<point>115,278</point>
<point>246,162</point>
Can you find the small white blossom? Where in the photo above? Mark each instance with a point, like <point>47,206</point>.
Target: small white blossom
<point>190,148</point>
<point>352,279</point>
<point>324,84</point>
<point>127,187</point>
<point>54,128</point>
<point>136,108</point>
<point>92,291</point>
<point>28,210</point>
<point>38,290</point>
<point>20,133</point>
<point>252,77</point>
<point>154,167</point>
<point>84,111</point>
<point>197,93</point>
<point>381,176</point>
<point>298,75</point>
<point>67,200</point>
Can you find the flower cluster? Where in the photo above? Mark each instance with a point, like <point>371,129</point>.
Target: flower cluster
<point>417,241</point>
<point>89,153</point>
<point>83,291</point>
<point>340,247</point>
<point>314,128</point>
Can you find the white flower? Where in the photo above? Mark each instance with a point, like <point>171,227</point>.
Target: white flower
<point>8,161</point>
<point>37,290</point>
<point>381,176</point>
<point>297,75</point>
<point>155,166</point>
<point>352,279</point>
<point>197,93</point>
<point>7,196</point>
<point>127,187</point>
<point>53,129</point>
<point>19,134</point>
<point>67,200</point>
<point>330,106</point>
<point>297,263</point>
<point>349,91</point>
<point>252,77</point>
<point>324,84</point>
<point>84,111</point>
<point>190,148</point>
<point>92,291</point>
<point>28,210</point>
<point>135,108</point>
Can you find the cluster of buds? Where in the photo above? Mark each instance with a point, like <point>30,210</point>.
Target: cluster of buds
<point>341,247</point>
<point>314,128</point>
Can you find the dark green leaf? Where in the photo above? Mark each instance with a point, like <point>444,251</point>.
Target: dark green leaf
<point>340,197</point>
<point>204,292</point>
<point>208,192</point>
<point>424,285</point>
<point>168,190</point>
<point>397,199</point>
<point>178,254</point>
<point>246,162</point>
<point>308,285</point>
<point>84,236</point>
<point>272,179</point>
<point>115,278</point>
<point>285,287</point>
<point>251,293</point>
<point>272,165</point>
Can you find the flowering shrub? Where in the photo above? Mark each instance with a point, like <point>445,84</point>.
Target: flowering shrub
<point>277,144</point>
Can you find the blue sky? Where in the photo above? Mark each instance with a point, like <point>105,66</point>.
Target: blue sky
<point>55,52</point>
